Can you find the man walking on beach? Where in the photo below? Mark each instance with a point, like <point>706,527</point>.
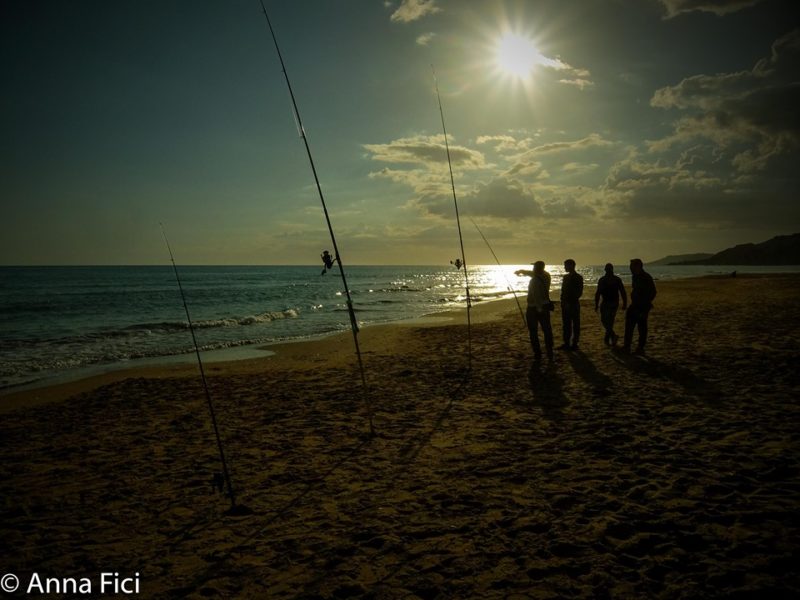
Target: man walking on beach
<point>539,307</point>
<point>643,292</point>
<point>571,292</point>
<point>609,288</point>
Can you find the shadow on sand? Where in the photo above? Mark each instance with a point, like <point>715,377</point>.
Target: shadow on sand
<point>547,388</point>
<point>584,368</point>
<point>410,450</point>
<point>215,563</point>
<point>653,368</point>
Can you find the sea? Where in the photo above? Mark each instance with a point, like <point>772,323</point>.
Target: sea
<point>64,323</point>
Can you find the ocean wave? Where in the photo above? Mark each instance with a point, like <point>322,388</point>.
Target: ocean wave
<point>403,288</point>
<point>265,317</point>
<point>387,290</point>
<point>379,302</point>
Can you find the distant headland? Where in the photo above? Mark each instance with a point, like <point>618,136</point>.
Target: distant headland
<point>780,250</point>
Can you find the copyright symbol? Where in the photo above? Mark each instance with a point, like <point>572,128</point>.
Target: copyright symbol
<point>9,583</point>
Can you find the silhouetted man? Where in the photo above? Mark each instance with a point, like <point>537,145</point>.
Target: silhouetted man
<point>643,292</point>
<point>539,307</point>
<point>609,288</point>
<point>571,292</point>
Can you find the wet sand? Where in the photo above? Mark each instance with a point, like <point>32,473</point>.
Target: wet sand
<point>602,475</point>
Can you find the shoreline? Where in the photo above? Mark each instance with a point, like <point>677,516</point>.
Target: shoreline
<point>63,386</point>
<point>90,377</point>
<point>44,392</point>
<point>238,350</point>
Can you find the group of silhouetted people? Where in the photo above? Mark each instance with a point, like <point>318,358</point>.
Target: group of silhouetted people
<point>610,290</point>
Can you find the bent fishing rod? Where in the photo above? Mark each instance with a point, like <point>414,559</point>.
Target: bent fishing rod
<point>458,223</point>
<point>508,283</point>
<point>338,258</point>
<point>235,509</point>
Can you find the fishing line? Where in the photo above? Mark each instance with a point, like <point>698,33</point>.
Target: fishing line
<point>294,116</point>
<point>508,283</point>
<point>235,509</point>
<point>458,222</point>
<point>338,258</point>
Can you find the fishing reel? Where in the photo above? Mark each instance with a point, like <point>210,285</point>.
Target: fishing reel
<point>328,261</point>
<point>457,263</point>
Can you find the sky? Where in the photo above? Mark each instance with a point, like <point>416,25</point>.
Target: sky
<point>599,130</point>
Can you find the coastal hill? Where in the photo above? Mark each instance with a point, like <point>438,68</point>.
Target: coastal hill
<point>680,259</point>
<point>780,250</point>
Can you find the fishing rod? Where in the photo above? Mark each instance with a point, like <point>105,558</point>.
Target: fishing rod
<point>235,509</point>
<point>508,283</point>
<point>338,258</point>
<point>458,223</point>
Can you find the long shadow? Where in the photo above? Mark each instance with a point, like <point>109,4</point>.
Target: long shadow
<point>600,382</point>
<point>212,570</point>
<point>656,369</point>
<point>410,450</point>
<point>408,454</point>
<point>190,530</point>
<point>547,388</point>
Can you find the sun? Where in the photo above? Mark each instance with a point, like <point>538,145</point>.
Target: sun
<point>516,55</point>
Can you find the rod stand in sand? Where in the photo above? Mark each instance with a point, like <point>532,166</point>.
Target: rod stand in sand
<point>235,509</point>
<point>458,223</point>
<point>337,256</point>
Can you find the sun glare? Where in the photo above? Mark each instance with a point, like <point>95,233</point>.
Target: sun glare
<point>516,55</point>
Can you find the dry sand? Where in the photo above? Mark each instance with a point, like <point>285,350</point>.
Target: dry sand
<point>602,475</point>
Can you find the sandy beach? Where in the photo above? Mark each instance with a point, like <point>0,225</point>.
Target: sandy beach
<point>601,475</point>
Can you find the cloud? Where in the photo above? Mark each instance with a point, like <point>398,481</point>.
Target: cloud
<point>694,190</point>
<point>634,174</point>
<point>751,113</point>
<point>554,63</point>
<point>578,168</point>
<point>505,143</point>
<point>530,161</point>
<point>651,190</point>
<point>509,199</point>
<point>425,38</point>
<point>581,84</point>
<point>428,173</point>
<point>566,202</point>
<point>503,198</point>
<point>566,207</point>
<point>527,167</point>
<point>578,77</point>
<point>500,197</point>
<point>733,149</point>
<point>412,10</point>
<point>423,182</point>
<point>592,140</point>
<point>704,91</point>
<point>425,150</point>
<point>718,7</point>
